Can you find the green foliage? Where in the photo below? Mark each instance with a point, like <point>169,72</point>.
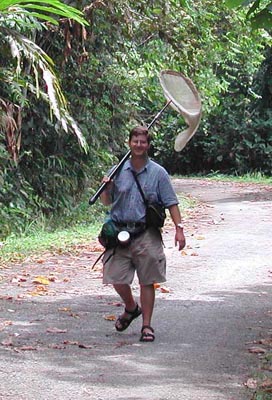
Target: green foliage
<point>40,10</point>
<point>37,242</point>
<point>26,64</point>
<point>259,12</point>
<point>109,72</point>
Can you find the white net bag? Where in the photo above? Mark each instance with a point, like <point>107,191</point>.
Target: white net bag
<point>185,99</point>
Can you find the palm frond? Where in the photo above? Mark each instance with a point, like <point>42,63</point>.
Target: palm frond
<point>15,17</point>
<point>40,61</point>
<point>54,7</point>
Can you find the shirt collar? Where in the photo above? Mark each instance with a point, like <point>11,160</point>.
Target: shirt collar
<point>129,166</point>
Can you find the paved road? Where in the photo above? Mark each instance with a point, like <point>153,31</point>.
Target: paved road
<point>57,340</point>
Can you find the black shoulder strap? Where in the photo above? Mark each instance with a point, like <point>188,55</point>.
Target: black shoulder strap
<point>139,187</point>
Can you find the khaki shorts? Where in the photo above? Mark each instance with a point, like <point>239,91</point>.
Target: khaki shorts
<point>144,255</point>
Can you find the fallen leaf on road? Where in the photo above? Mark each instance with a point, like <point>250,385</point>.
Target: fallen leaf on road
<point>7,342</point>
<point>194,254</point>
<point>4,324</point>
<point>84,346</point>
<point>6,297</point>
<point>65,309</point>
<point>42,280</point>
<point>257,350</point>
<point>27,348</point>
<point>39,291</point>
<point>110,317</point>
<point>251,383</point>
<point>56,346</point>
<point>56,330</point>
<point>165,290</point>
<point>266,384</point>
<point>199,237</point>
<point>70,342</point>
<point>80,345</point>
<point>18,279</point>
<point>266,342</point>
<point>115,303</point>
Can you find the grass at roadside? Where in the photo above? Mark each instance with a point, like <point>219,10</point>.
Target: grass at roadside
<point>252,177</point>
<point>16,249</point>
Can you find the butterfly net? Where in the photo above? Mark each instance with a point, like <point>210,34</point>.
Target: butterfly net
<point>185,99</point>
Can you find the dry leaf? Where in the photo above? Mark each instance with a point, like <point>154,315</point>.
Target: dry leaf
<point>39,291</point>
<point>7,342</point>
<point>84,346</point>
<point>267,384</point>
<point>266,342</point>
<point>4,324</point>
<point>251,383</point>
<point>183,253</point>
<point>41,280</point>
<point>110,317</point>
<point>40,261</point>
<point>156,285</point>
<point>6,297</point>
<point>199,237</point>
<point>165,290</point>
<point>56,330</point>
<point>115,303</point>
<point>70,342</point>
<point>257,350</point>
<point>194,254</point>
<point>27,348</point>
<point>57,346</point>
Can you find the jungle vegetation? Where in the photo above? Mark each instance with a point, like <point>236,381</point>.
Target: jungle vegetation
<point>76,76</point>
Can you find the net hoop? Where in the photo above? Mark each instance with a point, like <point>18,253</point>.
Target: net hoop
<point>185,99</point>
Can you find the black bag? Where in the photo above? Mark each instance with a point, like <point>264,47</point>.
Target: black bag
<point>108,235</point>
<point>155,212</point>
<point>155,215</point>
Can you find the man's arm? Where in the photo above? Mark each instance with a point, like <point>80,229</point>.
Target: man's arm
<point>176,218</point>
<point>105,196</point>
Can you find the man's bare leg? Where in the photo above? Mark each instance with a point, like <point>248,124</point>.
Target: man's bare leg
<point>126,295</point>
<point>147,304</point>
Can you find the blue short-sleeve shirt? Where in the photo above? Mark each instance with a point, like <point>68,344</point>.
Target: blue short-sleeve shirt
<point>127,202</point>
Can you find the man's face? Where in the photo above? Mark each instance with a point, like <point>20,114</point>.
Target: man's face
<point>139,145</point>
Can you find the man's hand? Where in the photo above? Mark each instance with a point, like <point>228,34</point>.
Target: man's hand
<point>105,195</point>
<point>180,238</point>
<point>176,218</point>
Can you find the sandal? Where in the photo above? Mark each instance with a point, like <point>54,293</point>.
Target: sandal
<point>147,336</point>
<point>123,323</point>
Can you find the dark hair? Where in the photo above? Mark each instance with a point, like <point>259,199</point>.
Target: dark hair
<point>140,130</point>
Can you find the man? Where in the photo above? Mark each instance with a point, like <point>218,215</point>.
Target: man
<point>145,254</point>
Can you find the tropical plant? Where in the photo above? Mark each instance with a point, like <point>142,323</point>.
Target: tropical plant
<point>259,12</point>
<point>22,59</point>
